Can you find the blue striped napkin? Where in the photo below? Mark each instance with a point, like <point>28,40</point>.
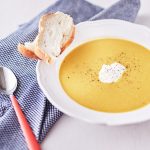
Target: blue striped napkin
<point>38,110</point>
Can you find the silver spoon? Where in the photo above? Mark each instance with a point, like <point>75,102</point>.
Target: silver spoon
<point>8,84</point>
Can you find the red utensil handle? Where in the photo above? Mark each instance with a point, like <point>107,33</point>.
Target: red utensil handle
<point>27,131</point>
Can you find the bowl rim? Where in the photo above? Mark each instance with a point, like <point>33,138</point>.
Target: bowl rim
<point>105,118</point>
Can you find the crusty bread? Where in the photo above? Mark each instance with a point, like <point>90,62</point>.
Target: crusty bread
<point>56,32</point>
<point>27,51</point>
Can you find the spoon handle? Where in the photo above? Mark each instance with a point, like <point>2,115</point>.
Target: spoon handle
<point>27,131</point>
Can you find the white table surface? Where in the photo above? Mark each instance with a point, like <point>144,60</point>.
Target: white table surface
<point>69,133</point>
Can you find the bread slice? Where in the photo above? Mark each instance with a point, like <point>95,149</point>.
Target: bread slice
<point>56,32</point>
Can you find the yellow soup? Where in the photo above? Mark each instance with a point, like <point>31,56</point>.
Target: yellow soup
<point>79,75</point>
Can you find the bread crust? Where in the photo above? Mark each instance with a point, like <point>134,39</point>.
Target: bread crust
<point>65,45</point>
<point>39,52</point>
<point>42,55</point>
<point>26,52</point>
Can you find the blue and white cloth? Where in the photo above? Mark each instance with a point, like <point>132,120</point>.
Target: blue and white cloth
<point>40,113</point>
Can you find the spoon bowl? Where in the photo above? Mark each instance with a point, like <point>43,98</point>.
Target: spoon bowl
<point>8,81</point>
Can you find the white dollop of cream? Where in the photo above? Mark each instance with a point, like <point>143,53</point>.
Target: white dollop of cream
<point>111,73</point>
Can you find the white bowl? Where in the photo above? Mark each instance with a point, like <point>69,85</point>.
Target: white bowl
<point>48,75</point>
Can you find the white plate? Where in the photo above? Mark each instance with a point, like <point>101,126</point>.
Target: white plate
<point>47,75</point>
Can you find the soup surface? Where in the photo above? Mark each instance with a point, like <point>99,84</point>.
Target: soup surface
<point>79,75</point>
